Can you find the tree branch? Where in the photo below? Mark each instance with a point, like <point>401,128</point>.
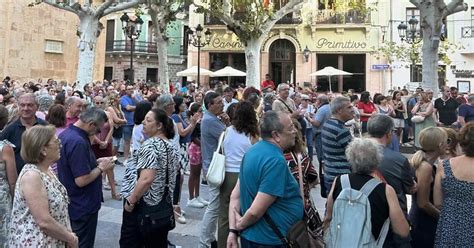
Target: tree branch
<point>59,6</point>
<point>290,7</point>
<point>416,3</point>
<point>454,6</point>
<point>120,6</point>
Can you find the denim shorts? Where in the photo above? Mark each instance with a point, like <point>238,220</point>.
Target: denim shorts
<point>127,132</point>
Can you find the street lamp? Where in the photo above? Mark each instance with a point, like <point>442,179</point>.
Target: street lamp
<point>131,29</point>
<point>195,39</point>
<point>384,31</point>
<point>306,53</point>
<point>411,35</point>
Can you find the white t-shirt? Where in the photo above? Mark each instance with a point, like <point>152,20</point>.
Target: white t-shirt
<point>235,146</point>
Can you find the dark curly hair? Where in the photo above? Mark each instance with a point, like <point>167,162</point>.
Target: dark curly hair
<point>466,139</point>
<point>245,119</point>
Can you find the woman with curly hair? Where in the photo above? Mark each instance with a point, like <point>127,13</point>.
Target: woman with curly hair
<point>238,138</point>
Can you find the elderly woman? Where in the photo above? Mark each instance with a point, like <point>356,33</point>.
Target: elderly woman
<point>40,208</point>
<point>364,155</point>
<point>423,213</point>
<point>157,163</point>
<point>454,195</point>
<point>44,102</point>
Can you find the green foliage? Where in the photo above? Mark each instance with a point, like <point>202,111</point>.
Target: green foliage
<point>392,51</point>
<point>250,15</point>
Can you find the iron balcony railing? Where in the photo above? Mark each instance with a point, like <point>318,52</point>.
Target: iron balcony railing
<point>125,46</point>
<point>288,19</point>
<point>333,17</point>
<point>467,32</point>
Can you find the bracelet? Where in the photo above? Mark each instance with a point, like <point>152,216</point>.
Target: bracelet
<point>234,231</point>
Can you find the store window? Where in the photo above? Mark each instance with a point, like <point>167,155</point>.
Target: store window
<point>235,60</point>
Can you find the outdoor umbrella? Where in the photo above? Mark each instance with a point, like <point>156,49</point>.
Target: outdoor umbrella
<point>193,71</point>
<point>228,72</point>
<point>330,71</point>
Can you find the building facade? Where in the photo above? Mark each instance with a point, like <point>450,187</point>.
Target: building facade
<point>343,39</point>
<point>40,42</point>
<point>145,59</point>
<point>460,32</point>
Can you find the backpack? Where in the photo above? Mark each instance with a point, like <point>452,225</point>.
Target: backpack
<point>351,224</point>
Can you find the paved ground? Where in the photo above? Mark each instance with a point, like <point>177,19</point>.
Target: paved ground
<point>187,235</point>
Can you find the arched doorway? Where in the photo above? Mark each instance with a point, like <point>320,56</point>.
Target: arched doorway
<point>282,61</point>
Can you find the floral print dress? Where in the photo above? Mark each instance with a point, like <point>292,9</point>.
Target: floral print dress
<point>5,199</point>
<point>24,232</point>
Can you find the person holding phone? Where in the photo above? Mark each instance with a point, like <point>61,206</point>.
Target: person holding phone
<point>81,173</point>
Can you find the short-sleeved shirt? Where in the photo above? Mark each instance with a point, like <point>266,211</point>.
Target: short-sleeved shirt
<point>446,110</point>
<point>398,173</point>
<point>178,119</point>
<point>368,108</point>
<point>78,159</point>
<point>13,133</point>
<point>211,129</point>
<point>264,169</point>
<point>322,115</point>
<point>335,138</point>
<point>266,83</point>
<point>467,111</point>
<point>124,102</point>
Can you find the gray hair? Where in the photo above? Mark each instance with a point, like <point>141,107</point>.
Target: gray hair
<point>379,125</point>
<point>28,95</point>
<point>338,103</point>
<point>163,100</point>
<point>44,102</point>
<point>71,100</point>
<point>94,115</point>
<point>323,98</point>
<point>470,98</point>
<point>268,97</point>
<point>281,86</point>
<point>364,155</point>
<point>270,122</point>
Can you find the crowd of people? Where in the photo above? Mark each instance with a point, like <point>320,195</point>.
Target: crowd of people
<point>60,144</point>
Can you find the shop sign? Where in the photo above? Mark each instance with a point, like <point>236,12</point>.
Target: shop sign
<point>324,43</point>
<point>463,73</point>
<point>224,42</point>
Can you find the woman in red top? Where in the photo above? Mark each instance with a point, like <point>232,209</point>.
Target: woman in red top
<point>366,109</point>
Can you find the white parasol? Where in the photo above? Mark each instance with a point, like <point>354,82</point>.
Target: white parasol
<point>330,71</point>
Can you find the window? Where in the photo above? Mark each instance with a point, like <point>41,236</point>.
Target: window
<point>416,74</point>
<point>53,46</point>
<point>472,16</point>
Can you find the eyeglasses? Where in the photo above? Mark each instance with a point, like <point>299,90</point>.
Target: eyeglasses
<point>99,102</point>
<point>449,141</point>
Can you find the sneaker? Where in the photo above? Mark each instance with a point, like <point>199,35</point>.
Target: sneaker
<point>180,218</point>
<point>201,200</point>
<point>195,203</point>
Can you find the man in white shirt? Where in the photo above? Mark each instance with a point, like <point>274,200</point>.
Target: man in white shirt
<point>228,98</point>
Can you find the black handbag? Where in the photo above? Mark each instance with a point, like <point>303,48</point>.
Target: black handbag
<point>159,217</point>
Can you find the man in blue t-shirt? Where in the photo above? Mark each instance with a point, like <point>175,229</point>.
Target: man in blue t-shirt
<point>128,102</point>
<point>466,111</point>
<point>266,187</point>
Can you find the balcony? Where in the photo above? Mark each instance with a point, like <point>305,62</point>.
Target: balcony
<point>467,32</point>
<point>288,19</point>
<point>333,17</point>
<point>117,46</point>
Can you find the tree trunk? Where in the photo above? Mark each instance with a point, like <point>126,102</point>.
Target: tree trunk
<point>163,69</point>
<point>88,31</point>
<point>252,60</point>
<point>430,64</point>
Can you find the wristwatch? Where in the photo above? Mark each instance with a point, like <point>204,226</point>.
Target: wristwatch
<point>234,232</point>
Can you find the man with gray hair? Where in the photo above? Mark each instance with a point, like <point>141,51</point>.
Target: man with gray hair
<point>81,173</point>
<point>27,107</point>
<point>394,167</point>
<point>335,137</point>
<point>74,106</point>
<point>266,185</point>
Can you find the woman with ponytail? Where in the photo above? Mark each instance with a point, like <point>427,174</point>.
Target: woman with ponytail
<point>423,214</point>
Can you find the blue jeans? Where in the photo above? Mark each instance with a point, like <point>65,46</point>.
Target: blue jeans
<point>309,141</point>
<point>249,244</point>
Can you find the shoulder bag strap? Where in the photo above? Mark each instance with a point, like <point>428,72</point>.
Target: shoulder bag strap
<point>220,147</point>
<point>286,105</point>
<point>300,174</point>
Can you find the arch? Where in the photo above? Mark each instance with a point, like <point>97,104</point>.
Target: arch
<point>279,36</point>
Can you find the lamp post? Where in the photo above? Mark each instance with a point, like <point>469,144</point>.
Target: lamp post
<point>195,39</point>
<point>411,35</point>
<point>306,53</point>
<point>384,31</point>
<point>131,29</point>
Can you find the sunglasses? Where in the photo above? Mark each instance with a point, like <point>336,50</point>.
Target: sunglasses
<point>99,102</point>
